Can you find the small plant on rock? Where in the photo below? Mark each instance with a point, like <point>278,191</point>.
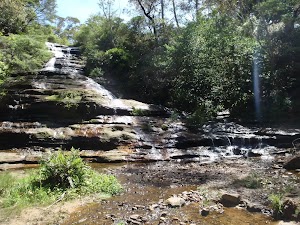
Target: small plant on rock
<point>146,127</point>
<point>252,181</point>
<point>69,99</point>
<point>276,204</point>
<point>137,112</point>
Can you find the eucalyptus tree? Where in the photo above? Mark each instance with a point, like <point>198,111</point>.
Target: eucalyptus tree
<point>107,8</point>
<point>17,15</point>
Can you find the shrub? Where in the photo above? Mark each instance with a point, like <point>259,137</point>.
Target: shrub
<point>63,170</point>
<point>24,53</point>
<point>6,181</point>
<point>61,174</point>
<point>205,112</point>
<point>96,72</point>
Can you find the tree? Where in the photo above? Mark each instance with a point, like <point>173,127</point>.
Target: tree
<point>106,7</point>
<point>23,53</point>
<point>149,9</point>
<point>213,63</point>
<point>44,11</point>
<point>14,16</point>
<point>17,15</point>
<point>66,28</point>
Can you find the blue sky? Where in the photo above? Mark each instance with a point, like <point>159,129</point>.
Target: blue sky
<point>82,9</point>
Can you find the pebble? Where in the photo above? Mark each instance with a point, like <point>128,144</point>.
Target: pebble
<point>204,212</point>
<point>135,217</point>
<point>164,214</point>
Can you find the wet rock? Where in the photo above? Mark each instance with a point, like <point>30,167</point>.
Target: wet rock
<point>175,201</point>
<point>289,209</point>
<point>293,163</point>
<point>253,207</point>
<point>204,212</point>
<point>164,214</point>
<point>230,200</point>
<point>254,154</point>
<point>135,219</point>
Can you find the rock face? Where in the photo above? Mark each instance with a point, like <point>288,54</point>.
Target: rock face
<point>59,106</point>
<point>293,163</point>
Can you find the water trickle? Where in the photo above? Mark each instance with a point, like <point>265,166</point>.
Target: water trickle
<point>256,85</point>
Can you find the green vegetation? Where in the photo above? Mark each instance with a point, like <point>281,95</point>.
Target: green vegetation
<point>69,99</point>
<point>200,66</point>
<point>164,127</point>
<point>146,127</point>
<point>138,112</point>
<point>25,26</point>
<point>252,181</point>
<point>204,65</point>
<point>61,175</point>
<point>276,204</point>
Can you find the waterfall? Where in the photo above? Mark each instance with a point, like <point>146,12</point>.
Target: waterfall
<point>256,85</point>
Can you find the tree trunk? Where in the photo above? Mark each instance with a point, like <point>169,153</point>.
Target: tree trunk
<point>162,4</point>
<point>151,19</point>
<point>175,13</point>
<point>197,7</point>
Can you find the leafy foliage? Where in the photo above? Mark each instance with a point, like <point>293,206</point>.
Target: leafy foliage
<point>214,66</point>
<point>63,170</point>
<point>276,204</point>
<point>24,53</point>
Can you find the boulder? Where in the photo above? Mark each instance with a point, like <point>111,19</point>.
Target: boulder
<point>230,200</point>
<point>175,201</point>
<point>293,163</point>
<point>289,209</point>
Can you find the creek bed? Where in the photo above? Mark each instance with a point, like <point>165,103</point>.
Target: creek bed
<point>148,184</point>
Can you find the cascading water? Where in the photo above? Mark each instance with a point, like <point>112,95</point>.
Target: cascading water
<point>256,85</point>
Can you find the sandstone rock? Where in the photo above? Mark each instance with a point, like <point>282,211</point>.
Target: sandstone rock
<point>293,163</point>
<point>175,201</point>
<point>230,200</point>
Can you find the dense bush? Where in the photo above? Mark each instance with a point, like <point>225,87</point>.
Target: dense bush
<point>61,174</point>
<point>22,53</point>
<point>205,62</point>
